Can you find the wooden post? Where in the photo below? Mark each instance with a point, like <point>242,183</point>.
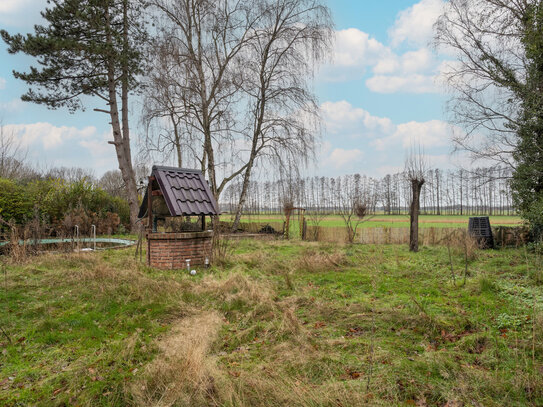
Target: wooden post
<point>203,223</point>
<point>287,225</point>
<point>150,204</point>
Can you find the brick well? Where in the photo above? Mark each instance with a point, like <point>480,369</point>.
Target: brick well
<point>169,251</point>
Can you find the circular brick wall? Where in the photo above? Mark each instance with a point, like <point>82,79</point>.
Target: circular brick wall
<point>169,251</point>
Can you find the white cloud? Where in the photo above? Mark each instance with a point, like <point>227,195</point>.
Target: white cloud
<point>430,134</point>
<point>342,118</point>
<point>417,61</point>
<point>415,24</point>
<point>357,48</point>
<point>2,83</point>
<point>413,72</point>
<point>340,159</point>
<point>348,123</point>
<point>354,52</point>
<point>421,60</point>
<point>46,134</point>
<point>103,154</point>
<point>21,13</point>
<point>358,141</point>
<point>407,84</point>
<point>50,146</point>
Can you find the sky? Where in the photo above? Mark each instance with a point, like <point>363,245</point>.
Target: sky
<point>379,95</point>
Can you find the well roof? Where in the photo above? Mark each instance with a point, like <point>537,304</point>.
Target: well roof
<point>185,191</point>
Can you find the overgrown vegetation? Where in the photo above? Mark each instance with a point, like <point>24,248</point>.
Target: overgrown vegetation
<point>299,324</point>
<point>58,205</point>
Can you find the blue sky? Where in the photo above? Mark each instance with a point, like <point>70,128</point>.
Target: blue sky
<point>379,95</point>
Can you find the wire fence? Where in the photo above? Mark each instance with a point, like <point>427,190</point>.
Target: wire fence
<point>431,236</point>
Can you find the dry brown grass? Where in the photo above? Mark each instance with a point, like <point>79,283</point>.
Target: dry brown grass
<point>184,373</point>
<point>462,243</point>
<point>107,277</point>
<point>317,261</point>
<point>237,286</point>
<point>289,322</point>
<point>270,388</point>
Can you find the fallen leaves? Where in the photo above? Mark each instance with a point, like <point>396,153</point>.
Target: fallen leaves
<point>351,374</point>
<point>94,377</point>
<point>356,331</point>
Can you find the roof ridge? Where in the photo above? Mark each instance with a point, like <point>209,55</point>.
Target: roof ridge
<point>176,169</point>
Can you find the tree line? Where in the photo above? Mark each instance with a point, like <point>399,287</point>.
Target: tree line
<point>482,191</point>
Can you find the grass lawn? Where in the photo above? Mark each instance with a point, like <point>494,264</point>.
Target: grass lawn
<point>400,221</point>
<point>276,324</point>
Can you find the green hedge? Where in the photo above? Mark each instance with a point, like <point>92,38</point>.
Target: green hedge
<point>54,198</point>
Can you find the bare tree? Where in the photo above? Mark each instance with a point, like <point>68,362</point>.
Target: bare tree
<point>112,182</point>
<point>317,206</point>
<point>12,155</point>
<point>166,131</point>
<point>416,168</point>
<point>198,45</point>
<point>292,38</point>
<point>489,76</point>
<point>70,174</point>
<point>353,213</point>
<point>236,74</point>
<point>353,206</point>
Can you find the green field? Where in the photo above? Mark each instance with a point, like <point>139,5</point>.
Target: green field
<point>400,221</point>
<point>275,324</point>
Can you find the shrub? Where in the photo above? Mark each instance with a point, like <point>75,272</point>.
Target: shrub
<point>15,204</point>
<point>63,205</point>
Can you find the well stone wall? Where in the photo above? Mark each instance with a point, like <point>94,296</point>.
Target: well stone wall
<point>169,251</point>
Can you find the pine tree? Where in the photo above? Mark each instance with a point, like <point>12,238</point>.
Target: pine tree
<point>87,48</point>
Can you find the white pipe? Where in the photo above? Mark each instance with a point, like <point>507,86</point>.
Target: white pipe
<point>93,228</point>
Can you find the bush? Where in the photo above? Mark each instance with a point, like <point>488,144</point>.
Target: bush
<point>63,205</point>
<point>15,204</point>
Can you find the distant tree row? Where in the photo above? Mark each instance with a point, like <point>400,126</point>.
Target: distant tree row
<point>482,191</point>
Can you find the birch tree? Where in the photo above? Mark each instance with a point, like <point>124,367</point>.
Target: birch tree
<point>239,74</point>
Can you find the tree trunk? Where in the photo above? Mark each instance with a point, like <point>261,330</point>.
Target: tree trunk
<point>416,186</point>
<point>437,193</point>
<point>128,169</point>
<point>208,147</point>
<point>243,195</point>
<point>259,113</point>
<point>121,137</point>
